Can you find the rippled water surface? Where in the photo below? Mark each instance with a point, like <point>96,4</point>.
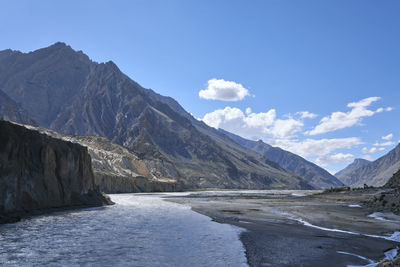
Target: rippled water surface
<point>140,230</point>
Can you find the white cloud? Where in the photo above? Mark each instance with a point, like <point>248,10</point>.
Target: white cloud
<point>387,137</point>
<point>335,158</point>
<point>277,132</point>
<point>389,109</point>
<point>372,150</point>
<point>388,143</point>
<point>219,89</point>
<point>381,148</point>
<point>339,120</point>
<point>306,115</point>
<point>253,125</point>
<point>315,147</point>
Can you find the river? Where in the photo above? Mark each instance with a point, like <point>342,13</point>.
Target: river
<point>140,230</point>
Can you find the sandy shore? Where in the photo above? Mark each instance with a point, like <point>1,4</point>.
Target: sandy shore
<point>293,228</point>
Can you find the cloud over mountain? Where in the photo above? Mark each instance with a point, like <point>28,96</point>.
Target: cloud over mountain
<point>335,158</point>
<point>253,125</point>
<point>219,89</point>
<point>339,120</point>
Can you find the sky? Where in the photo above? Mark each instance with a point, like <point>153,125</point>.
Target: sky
<point>318,78</point>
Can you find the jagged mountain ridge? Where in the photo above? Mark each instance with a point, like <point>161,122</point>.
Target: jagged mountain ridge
<point>67,92</point>
<point>375,173</point>
<point>292,162</point>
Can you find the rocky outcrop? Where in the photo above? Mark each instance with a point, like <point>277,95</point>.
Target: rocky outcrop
<point>65,91</point>
<point>40,172</point>
<point>389,200</point>
<point>394,182</point>
<point>375,173</point>
<point>314,174</point>
<point>390,263</point>
<point>119,170</point>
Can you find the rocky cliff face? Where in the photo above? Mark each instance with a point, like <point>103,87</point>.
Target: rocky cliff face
<point>41,172</point>
<point>375,173</point>
<point>314,174</point>
<point>64,91</point>
<point>389,201</point>
<point>119,170</point>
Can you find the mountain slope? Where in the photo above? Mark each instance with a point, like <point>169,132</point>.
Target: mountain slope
<point>9,110</point>
<point>394,181</point>
<point>357,163</point>
<point>65,91</point>
<point>292,162</point>
<point>375,173</point>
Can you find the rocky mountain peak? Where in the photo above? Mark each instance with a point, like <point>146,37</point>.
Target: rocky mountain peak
<point>64,91</point>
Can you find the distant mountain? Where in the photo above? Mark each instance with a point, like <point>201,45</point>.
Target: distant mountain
<point>357,163</point>
<point>375,173</point>
<point>292,162</point>
<point>65,91</point>
<point>9,110</point>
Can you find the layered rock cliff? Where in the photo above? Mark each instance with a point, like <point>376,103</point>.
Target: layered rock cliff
<point>40,172</point>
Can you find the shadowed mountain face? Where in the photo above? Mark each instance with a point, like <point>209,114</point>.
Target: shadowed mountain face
<point>65,91</point>
<point>292,162</point>
<point>375,173</point>
<point>9,110</point>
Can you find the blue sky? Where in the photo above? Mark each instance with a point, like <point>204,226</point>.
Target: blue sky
<point>277,58</point>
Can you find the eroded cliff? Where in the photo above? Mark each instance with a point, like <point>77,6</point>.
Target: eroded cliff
<point>40,172</point>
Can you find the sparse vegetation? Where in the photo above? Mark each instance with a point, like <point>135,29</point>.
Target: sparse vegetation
<point>338,189</point>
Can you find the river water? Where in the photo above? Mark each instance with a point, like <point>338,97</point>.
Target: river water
<point>140,230</point>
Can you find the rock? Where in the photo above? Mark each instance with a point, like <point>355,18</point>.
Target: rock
<point>390,263</point>
<point>40,172</point>
<point>394,182</point>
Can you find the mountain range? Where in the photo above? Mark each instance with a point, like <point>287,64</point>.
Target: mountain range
<point>63,90</point>
<point>316,175</point>
<point>375,173</point>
